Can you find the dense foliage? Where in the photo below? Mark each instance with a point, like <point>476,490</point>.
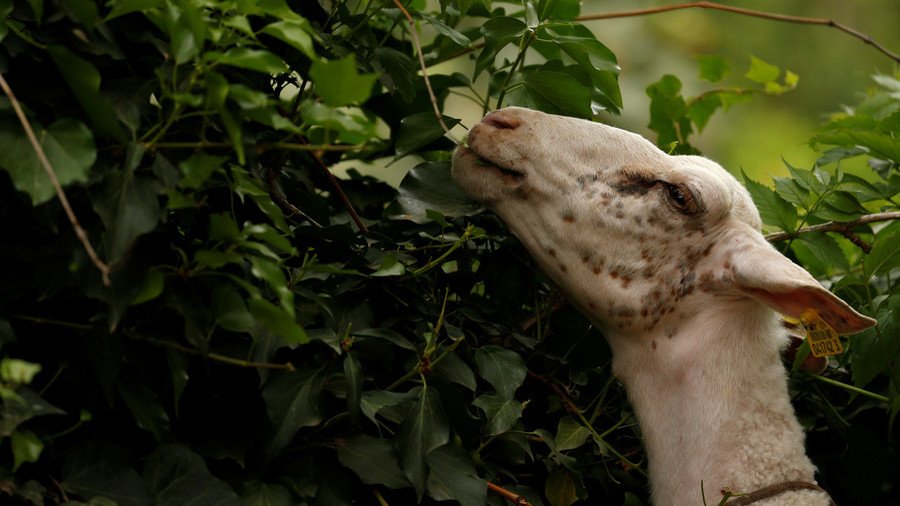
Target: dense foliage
<point>258,342</point>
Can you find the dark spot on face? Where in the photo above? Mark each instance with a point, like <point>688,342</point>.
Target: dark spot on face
<point>670,332</point>
<point>552,252</point>
<point>625,281</point>
<point>620,215</point>
<point>647,273</point>
<point>638,220</point>
<point>707,249</point>
<point>596,269</point>
<point>563,268</point>
<point>614,274</point>
<point>654,344</point>
<point>726,265</point>
<point>626,313</point>
<point>568,218</point>
<point>591,306</point>
<point>644,312</point>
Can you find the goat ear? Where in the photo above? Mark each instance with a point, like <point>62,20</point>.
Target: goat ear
<point>768,276</point>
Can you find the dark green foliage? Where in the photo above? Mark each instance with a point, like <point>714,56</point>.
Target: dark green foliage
<point>255,346</point>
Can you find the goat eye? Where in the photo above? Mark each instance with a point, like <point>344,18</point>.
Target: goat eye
<point>681,197</point>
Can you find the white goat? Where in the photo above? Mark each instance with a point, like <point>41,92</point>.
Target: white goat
<point>664,254</point>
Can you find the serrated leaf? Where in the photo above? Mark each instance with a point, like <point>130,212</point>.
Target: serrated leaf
<point>68,144</point>
<point>789,190</point>
<point>773,209</point>
<point>826,250</point>
<point>453,477</point>
<point>502,414</point>
<point>374,460</point>
<point>423,429</point>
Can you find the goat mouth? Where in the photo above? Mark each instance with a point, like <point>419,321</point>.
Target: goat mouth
<point>482,162</point>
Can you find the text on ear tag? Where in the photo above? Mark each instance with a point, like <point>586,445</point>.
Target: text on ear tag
<point>823,340</point>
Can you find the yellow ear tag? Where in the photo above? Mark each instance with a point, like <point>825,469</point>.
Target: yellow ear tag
<point>823,340</point>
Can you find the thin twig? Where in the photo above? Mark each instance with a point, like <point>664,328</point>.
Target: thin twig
<point>509,496</point>
<point>746,12</point>
<point>281,200</point>
<point>317,156</point>
<point>836,226</point>
<point>415,38</point>
<point>102,266</point>
<point>260,148</point>
<point>216,357</point>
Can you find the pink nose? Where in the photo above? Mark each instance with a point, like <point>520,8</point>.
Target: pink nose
<point>502,120</point>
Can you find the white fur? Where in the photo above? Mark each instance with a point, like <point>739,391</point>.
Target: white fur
<point>685,299</point>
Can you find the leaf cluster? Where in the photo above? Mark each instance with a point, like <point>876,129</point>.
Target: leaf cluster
<point>272,334</point>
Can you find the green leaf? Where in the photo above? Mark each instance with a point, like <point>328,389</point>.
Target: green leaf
<point>502,414</point>
<point>762,72</point>
<point>504,369</point>
<point>390,266</point>
<point>26,447</point>
<point>498,32</point>
<point>374,460</point>
<point>277,320</point>
<point>123,7</point>
<point>22,406</point>
<point>885,253</point>
<point>339,83</point>
<point>293,32</point>
<point>427,186</point>
<point>701,109</point>
<point>293,401</point>
<point>69,146</point>
<point>388,335</point>
<point>773,209</point>
<point>423,429</point>
<point>176,476</point>
<point>13,370</point>
<point>145,406</point>
<point>872,351</point>
<point>271,272</point>
<point>186,28</point>
<point>268,494</point>
<point>560,487</point>
<point>374,401</point>
<point>712,68</point>
<point>826,250</point>
<point>453,368</point>
<point>570,434</point>
<point>258,60</point>
<point>552,92</point>
<point>129,207</point>
<point>419,130</point>
<point>354,377</point>
<point>94,469</point>
<point>198,168</point>
<point>453,477</point>
<point>84,81</point>
<point>339,124</point>
<point>791,191</point>
<point>229,310</point>
<point>151,288</point>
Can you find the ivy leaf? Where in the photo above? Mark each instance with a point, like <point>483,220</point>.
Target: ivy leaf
<point>424,429</point>
<point>339,83</point>
<point>502,414</point>
<point>84,81</point>
<point>353,376</point>
<point>712,68</point>
<point>453,368</point>
<point>419,130</point>
<point>145,406</point>
<point>504,369</point>
<point>773,209</point>
<point>570,434</point>
<point>560,487</point>
<point>453,477</point>
<point>68,144</point>
<point>430,186</point>
<point>293,401</point>
<point>198,168</point>
<point>762,72</point>
<point>277,320</point>
<point>373,459</point>
<point>293,32</point>
<point>129,207</point>
<point>26,447</point>
<point>94,469</point>
<point>553,92</point>
<point>885,254</point>
<point>373,401</point>
<point>175,476</point>
<point>258,60</point>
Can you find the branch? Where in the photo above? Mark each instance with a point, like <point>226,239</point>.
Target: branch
<point>102,266</point>
<point>281,200</point>
<point>340,192</point>
<point>415,39</point>
<point>746,12</point>
<point>215,357</point>
<point>842,227</point>
<point>509,496</point>
<point>260,148</point>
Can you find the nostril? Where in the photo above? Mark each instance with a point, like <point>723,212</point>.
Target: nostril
<point>501,121</point>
